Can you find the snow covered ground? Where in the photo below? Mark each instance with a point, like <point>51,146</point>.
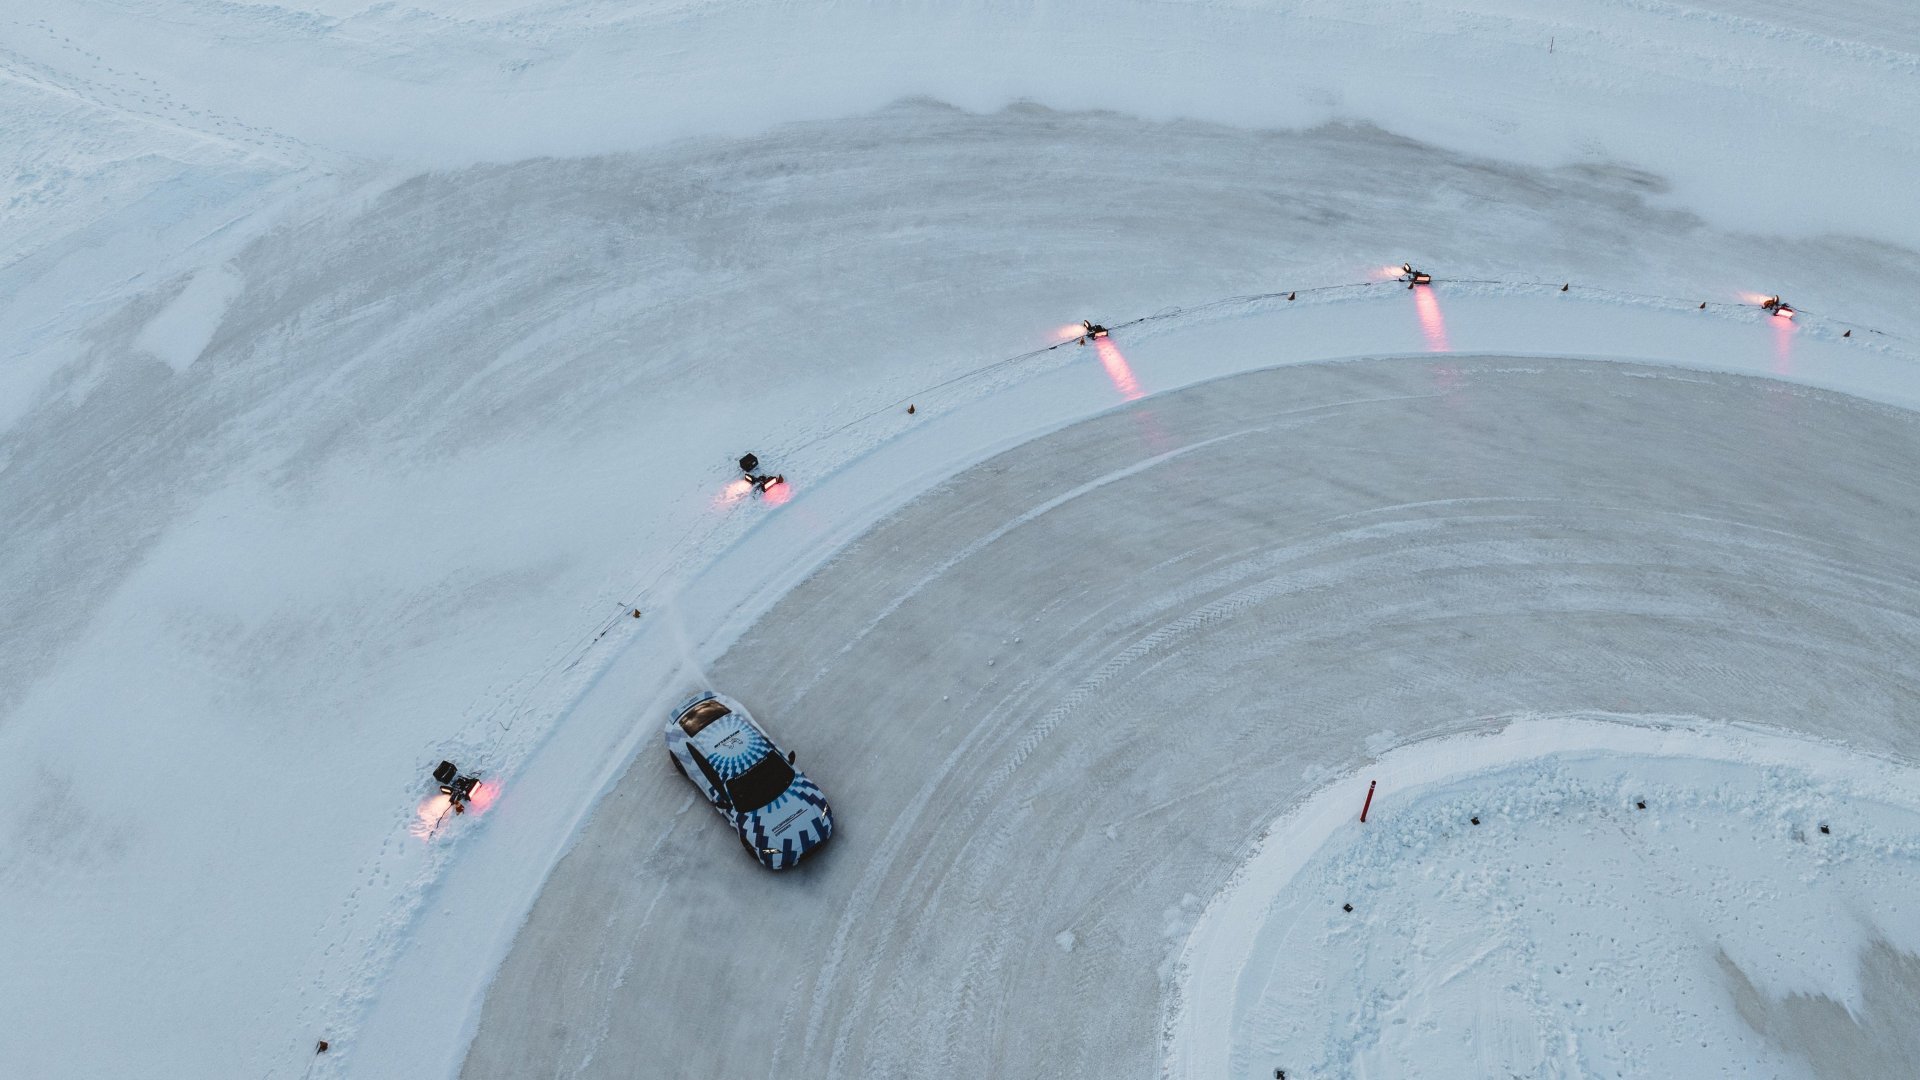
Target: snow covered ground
<point>1573,897</point>
<point>366,366</point>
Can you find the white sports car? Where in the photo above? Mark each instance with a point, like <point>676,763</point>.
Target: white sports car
<point>779,814</point>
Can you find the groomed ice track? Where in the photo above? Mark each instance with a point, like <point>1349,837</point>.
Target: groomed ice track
<point>1054,698</point>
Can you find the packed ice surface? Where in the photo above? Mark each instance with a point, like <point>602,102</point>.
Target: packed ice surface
<point>363,366</point>
<point>1066,690</point>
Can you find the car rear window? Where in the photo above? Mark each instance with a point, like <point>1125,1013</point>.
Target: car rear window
<point>766,781</point>
<point>698,717</point>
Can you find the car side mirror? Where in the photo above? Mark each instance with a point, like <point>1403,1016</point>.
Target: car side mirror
<point>790,757</point>
<point>724,804</point>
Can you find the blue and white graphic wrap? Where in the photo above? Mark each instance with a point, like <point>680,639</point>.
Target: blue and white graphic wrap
<point>732,746</point>
<point>791,825</point>
<point>778,834</point>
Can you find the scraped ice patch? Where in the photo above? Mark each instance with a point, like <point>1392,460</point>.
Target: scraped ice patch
<point>1380,741</point>
<point>182,329</point>
<point>1632,901</point>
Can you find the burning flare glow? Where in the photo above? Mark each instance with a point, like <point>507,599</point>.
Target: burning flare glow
<point>430,814</point>
<point>1433,325</point>
<point>482,797</point>
<point>437,809</point>
<point>1118,370</point>
<point>1783,331</point>
<point>732,493</point>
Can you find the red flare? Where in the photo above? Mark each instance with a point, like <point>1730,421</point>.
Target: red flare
<point>1433,325</point>
<point>1118,369</point>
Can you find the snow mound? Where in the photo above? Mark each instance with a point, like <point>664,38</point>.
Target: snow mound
<point>1570,898</point>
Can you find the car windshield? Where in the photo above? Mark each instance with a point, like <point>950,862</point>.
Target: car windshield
<point>760,785</point>
<point>698,717</point>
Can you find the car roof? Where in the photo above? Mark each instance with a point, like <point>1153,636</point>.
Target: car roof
<point>730,732</point>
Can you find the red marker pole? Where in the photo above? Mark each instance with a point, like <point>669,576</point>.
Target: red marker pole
<point>1368,805</point>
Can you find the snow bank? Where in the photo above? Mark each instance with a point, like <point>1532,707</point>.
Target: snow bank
<point>1743,115</point>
